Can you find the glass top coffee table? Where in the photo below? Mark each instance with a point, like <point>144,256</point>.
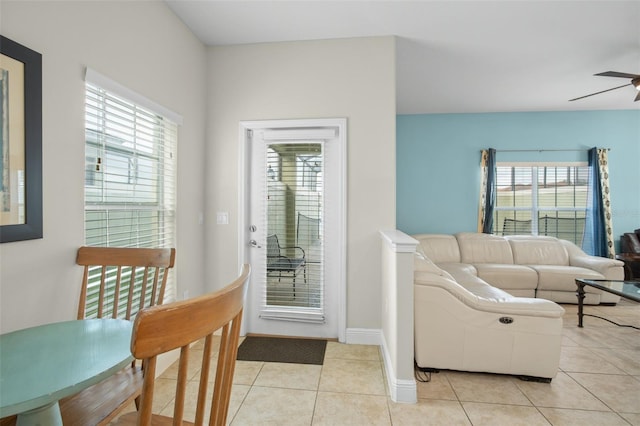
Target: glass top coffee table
<point>626,289</point>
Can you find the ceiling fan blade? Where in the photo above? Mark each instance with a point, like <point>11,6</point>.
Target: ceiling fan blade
<point>637,97</point>
<point>617,74</point>
<point>597,93</point>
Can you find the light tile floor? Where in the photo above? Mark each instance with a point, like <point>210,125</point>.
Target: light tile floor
<point>598,384</point>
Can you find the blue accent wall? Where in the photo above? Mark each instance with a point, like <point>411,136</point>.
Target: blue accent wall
<point>438,161</point>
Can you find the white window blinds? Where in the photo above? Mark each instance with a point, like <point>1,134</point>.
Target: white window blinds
<point>541,199</point>
<point>294,255</point>
<point>130,173</point>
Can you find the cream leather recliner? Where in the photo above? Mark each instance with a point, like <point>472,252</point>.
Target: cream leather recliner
<point>472,326</point>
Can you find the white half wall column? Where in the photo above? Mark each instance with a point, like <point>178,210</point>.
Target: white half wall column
<point>398,251</point>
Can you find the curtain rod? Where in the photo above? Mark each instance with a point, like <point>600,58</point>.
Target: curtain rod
<point>544,150</point>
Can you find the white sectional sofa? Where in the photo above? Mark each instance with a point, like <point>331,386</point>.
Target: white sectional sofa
<point>486,303</point>
<point>523,265</point>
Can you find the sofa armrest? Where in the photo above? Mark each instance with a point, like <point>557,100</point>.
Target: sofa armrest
<point>611,269</point>
<point>483,297</point>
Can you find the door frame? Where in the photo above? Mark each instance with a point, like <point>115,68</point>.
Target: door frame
<point>244,167</point>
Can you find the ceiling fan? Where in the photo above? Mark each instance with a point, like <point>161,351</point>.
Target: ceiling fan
<point>635,82</point>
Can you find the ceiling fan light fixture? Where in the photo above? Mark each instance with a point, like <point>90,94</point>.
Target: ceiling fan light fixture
<point>636,83</point>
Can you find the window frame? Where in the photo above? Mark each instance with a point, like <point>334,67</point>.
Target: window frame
<point>535,209</point>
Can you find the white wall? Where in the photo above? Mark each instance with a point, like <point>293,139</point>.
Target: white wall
<point>352,78</point>
<point>145,47</point>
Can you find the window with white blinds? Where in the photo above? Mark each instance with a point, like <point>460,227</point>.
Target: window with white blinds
<point>294,254</point>
<point>130,173</point>
<point>541,199</point>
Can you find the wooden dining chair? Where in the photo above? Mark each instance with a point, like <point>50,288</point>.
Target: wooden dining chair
<point>161,329</point>
<point>116,283</point>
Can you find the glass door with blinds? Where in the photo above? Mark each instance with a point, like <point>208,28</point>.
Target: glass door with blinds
<point>294,216</point>
<point>294,255</point>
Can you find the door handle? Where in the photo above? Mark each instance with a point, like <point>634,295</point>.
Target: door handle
<point>254,243</point>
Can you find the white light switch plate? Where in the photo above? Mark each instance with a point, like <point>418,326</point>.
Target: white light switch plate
<point>222,218</point>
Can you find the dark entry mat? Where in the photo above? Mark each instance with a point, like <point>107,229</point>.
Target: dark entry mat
<point>278,349</point>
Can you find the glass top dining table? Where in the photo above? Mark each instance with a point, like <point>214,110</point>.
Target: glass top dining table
<point>41,365</point>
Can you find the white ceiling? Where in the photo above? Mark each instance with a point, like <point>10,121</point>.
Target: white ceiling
<point>458,56</point>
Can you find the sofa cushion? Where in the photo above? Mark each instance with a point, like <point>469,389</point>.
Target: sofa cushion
<point>483,248</point>
<point>481,289</point>
<point>537,250</point>
<point>508,277</point>
<point>458,270</point>
<point>563,278</point>
<point>439,248</point>
<point>423,264</point>
<point>426,277</point>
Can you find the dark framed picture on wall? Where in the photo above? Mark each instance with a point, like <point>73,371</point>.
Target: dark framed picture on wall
<point>20,142</point>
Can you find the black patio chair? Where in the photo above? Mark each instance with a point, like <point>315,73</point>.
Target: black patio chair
<point>279,263</point>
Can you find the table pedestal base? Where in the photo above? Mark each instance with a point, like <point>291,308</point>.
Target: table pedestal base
<point>49,415</point>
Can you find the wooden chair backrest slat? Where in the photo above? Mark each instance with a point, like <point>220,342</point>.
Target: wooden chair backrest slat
<point>160,329</point>
<point>116,265</point>
<point>116,300</point>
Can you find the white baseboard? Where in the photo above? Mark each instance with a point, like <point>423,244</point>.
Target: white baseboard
<point>401,390</point>
<point>363,336</point>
